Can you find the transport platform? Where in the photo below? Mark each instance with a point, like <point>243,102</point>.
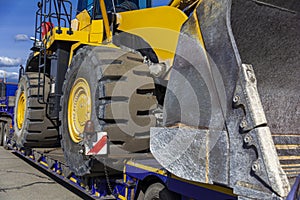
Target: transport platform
<point>19,180</point>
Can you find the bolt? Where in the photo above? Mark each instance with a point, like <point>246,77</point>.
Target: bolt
<point>243,124</point>
<point>81,135</point>
<point>158,115</point>
<point>157,69</point>
<point>247,139</point>
<point>236,99</point>
<point>80,151</point>
<point>255,167</point>
<point>251,76</point>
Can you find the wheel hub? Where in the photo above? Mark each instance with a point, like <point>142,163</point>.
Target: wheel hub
<point>21,110</point>
<point>79,108</point>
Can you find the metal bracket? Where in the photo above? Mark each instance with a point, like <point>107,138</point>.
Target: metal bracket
<point>257,135</point>
<point>247,97</point>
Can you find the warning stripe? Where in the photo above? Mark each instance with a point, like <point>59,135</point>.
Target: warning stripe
<point>100,144</point>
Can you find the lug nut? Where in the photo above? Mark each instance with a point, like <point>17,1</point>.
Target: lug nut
<point>236,99</point>
<point>247,139</point>
<point>80,151</point>
<point>255,167</point>
<point>243,124</point>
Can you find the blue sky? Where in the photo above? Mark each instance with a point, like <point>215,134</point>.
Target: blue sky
<point>16,27</point>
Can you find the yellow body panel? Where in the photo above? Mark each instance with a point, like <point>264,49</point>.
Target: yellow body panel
<point>77,36</point>
<point>160,27</point>
<point>105,20</point>
<point>89,32</point>
<point>154,25</point>
<point>96,34</point>
<point>85,32</point>
<point>84,20</point>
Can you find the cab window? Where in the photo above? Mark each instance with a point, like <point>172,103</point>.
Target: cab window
<point>85,5</point>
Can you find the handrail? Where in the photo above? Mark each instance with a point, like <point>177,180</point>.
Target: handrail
<point>50,13</point>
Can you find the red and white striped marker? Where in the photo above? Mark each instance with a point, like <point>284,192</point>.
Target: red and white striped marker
<point>99,147</point>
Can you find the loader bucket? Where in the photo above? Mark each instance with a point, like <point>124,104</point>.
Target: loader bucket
<point>268,37</point>
<point>232,110</point>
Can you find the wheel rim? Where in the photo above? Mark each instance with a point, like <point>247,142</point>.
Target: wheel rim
<point>79,108</point>
<point>21,110</point>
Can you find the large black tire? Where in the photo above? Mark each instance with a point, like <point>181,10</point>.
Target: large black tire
<point>36,130</point>
<point>158,191</point>
<point>121,101</point>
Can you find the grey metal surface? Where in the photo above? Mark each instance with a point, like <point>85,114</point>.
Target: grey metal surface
<point>267,37</point>
<point>199,94</point>
<point>188,153</point>
<point>264,166</point>
<point>18,180</point>
<point>217,97</point>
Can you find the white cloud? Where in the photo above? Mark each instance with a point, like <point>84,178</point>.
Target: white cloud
<point>2,73</point>
<point>8,75</point>
<point>21,37</point>
<point>12,75</point>
<point>6,61</point>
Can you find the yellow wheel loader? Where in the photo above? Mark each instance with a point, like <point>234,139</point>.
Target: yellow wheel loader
<point>209,88</point>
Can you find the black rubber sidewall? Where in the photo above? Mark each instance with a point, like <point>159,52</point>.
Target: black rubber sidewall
<point>19,133</point>
<point>77,161</point>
